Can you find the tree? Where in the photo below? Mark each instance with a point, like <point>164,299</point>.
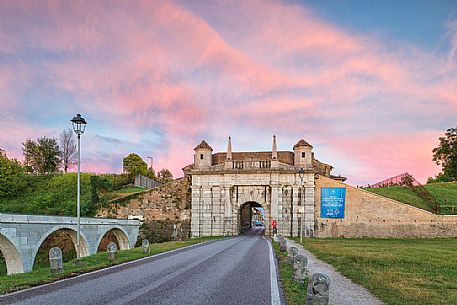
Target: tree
<point>151,173</point>
<point>446,155</point>
<point>164,175</point>
<point>134,165</point>
<point>10,176</point>
<point>42,155</point>
<point>67,148</point>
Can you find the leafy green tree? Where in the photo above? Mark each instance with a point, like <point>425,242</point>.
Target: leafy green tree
<point>151,173</point>
<point>164,175</point>
<point>42,155</point>
<point>11,173</point>
<point>134,165</point>
<point>446,155</point>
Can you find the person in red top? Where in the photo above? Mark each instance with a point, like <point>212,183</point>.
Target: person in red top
<point>274,224</point>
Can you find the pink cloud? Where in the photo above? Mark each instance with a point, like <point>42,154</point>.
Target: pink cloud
<point>193,70</point>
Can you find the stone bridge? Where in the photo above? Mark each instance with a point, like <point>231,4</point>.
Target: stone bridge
<point>22,235</point>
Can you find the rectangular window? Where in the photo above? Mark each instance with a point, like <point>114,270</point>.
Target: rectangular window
<point>303,154</point>
<point>201,156</point>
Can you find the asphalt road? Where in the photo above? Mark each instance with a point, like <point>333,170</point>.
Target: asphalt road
<point>230,271</point>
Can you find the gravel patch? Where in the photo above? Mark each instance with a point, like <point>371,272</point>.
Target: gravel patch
<point>342,290</point>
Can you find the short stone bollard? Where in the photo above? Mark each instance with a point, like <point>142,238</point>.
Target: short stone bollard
<point>55,260</point>
<point>112,250</point>
<point>318,290</point>
<point>283,246</point>
<point>145,246</point>
<point>293,251</point>
<point>300,268</point>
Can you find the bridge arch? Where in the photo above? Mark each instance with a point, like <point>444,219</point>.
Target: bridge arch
<point>13,257</point>
<point>120,234</point>
<point>73,236</point>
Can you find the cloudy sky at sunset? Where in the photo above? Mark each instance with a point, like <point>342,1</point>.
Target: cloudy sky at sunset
<point>370,84</point>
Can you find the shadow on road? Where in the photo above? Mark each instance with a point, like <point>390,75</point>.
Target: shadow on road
<point>255,231</point>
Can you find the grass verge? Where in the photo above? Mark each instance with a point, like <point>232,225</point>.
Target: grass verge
<point>295,293</point>
<point>97,261</point>
<point>398,271</point>
<point>445,194</point>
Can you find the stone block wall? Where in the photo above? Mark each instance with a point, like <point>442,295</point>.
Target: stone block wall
<point>372,215</point>
<point>167,202</point>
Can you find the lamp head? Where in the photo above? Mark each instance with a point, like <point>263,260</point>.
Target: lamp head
<point>79,124</point>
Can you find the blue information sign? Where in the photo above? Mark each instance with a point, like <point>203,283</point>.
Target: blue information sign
<point>332,202</point>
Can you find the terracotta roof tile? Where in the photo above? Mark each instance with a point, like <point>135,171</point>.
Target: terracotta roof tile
<point>203,144</point>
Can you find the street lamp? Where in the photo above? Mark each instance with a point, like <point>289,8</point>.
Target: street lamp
<point>301,173</point>
<point>152,160</point>
<point>79,126</point>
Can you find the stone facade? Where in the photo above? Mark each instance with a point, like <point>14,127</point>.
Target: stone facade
<point>372,215</point>
<point>282,182</point>
<point>170,201</point>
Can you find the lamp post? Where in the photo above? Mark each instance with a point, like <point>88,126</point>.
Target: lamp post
<point>79,125</point>
<point>152,159</point>
<point>301,173</point>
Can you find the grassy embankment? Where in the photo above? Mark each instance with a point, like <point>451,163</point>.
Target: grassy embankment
<point>56,194</point>
<point>42,274</point>
<point>445,194</point>
<point>398,271</point>
<point>295,293</point>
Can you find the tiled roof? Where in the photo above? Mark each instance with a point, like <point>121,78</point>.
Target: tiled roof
<point>302,143</point>
<point>203,144</point>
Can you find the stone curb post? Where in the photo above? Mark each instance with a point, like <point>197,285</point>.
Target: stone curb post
<point>318,290</point>
<point>293,251</point>
<point>112,250</point>
<point>300,268</point>
<point>145,246</point>
<point>55,260</point>
<point>283,245</point>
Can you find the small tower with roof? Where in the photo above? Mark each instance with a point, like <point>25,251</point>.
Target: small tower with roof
<point>203,155</point>
<point>303,154</point>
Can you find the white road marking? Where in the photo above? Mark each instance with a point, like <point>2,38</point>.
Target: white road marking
<point>275,299</point>
<point>107,268</point>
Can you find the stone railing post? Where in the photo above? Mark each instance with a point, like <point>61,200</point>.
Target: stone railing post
<point>145,246</point>
<point>55,260</point>
<point>293,251</point>
<point>318,290</point>
<point>112,250</point>
<point>300,268</point>
<point>283,245</point>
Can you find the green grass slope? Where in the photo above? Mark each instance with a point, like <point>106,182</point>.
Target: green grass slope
<point>418,271</point>
<point>445,194</point>
<point>56,194</point>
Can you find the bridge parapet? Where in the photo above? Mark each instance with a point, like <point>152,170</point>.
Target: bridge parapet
<point>22,235</point>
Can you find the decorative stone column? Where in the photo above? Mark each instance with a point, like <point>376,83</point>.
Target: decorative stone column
<point>227,212</point>
<point>309,211</point>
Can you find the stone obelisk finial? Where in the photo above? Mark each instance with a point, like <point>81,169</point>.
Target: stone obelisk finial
<point>274,152</point>
<point>229,148</point>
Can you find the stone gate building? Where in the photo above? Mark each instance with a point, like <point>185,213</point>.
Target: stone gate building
<point>226,185</point>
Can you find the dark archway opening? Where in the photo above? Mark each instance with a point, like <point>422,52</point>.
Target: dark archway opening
<point>252,217</point>
<point>2,264</point>
<point>106,239</point>
<point>63,239</point>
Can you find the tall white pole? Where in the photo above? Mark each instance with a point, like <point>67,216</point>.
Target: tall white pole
<point>78,254</point>
<point>303,209</point>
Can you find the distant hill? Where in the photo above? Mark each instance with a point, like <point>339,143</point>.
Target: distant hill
<point>445,194</point>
